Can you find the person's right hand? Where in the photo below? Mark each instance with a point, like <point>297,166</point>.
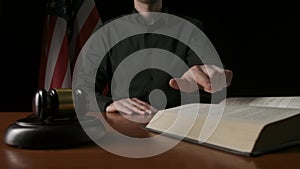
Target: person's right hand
<point>210,78</point>
<point>130,106</point>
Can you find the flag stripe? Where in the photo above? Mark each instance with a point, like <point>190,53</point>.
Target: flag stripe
<point>106,90</point>
<point>47,34</point>
<point>81,17</point>
<point>67,83</point>
<point>59,49</point>
<point>84,12</point>
<point>86,22</point>
<point>85,32</point>
<point>61,65</point>
<point>54,49</point>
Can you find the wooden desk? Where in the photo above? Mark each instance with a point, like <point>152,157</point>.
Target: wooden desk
<point>184,155</point>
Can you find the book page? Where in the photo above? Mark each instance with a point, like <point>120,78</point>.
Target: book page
<point>259,115</point>
<point>281,102</point>
<point>238,129</point>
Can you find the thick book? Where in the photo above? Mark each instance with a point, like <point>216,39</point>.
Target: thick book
<point>249,126</point>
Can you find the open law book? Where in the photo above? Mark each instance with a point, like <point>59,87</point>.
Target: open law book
<point>248,125</point>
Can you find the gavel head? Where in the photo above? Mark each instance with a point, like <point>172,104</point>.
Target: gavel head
<point>56,103</point>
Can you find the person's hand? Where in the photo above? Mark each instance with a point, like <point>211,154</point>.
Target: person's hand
<point>130,106</point>
<point>210,78</point>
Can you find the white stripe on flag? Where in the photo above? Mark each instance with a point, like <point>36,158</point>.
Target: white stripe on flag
<point>55,47</point>
<point>67,79</point>
<point>81,17</point>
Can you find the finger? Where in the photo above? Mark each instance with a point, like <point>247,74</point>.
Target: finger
<point>137,104</point>
<point>133,106</point>
<point>217,77</point>
<point>218,81</point>
<point>228,75</point>
<point>111,108</point>
<point>147,107</point>
<point>200,75</point>
<point>222,76</point>
<point>122,108</point>
<point>174,84</point>
<point>183,85</point>
<point>137,107</point>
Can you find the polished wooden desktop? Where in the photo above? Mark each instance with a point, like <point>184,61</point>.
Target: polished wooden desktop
<point>184,155</point>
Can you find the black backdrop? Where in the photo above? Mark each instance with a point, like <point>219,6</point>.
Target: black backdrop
<point>258,40</point>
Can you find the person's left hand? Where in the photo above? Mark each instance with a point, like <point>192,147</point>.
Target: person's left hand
<point>131,106</point>
<point>210,78</point>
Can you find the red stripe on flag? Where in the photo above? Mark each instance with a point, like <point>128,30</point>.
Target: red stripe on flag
<point>106,90</point>
<point>48,30</point>
<point>61,65</point>
<point>85,32</point>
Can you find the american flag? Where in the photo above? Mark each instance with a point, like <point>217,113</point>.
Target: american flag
<point>68,25</point>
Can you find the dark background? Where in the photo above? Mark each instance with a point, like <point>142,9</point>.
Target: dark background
<point>258,40</point>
